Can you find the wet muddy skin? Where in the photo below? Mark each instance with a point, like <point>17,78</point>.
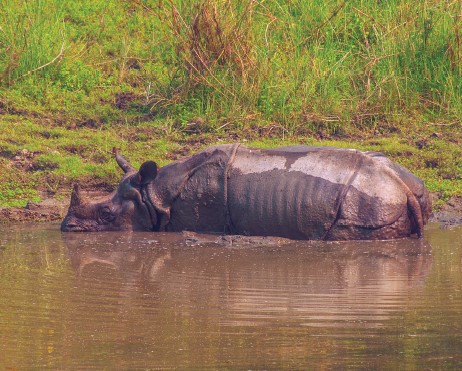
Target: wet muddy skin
<point>192,301</point>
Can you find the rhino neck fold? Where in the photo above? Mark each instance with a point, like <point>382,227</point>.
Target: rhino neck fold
<point>151,209</point>
<point>174,191</point>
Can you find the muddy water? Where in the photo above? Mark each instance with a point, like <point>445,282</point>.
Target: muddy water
<point>164,301</point>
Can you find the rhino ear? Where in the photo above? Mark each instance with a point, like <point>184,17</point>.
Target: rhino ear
<point>148,172</point>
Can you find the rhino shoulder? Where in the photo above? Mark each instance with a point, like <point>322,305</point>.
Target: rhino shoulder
<point>187,177</point>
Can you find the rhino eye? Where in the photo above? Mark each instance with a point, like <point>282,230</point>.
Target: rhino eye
<point>106,215</point>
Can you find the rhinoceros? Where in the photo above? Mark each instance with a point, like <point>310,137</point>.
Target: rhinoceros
<point>296,192</point>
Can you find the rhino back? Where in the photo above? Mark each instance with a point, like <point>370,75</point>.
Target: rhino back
<point>312,192</point>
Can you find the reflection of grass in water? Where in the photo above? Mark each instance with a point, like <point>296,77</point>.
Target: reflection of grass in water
<point>441,303</point>
<point>36,281</point>
<point>46,257</point>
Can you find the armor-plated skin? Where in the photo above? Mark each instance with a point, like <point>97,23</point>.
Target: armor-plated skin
<point>298,192</point>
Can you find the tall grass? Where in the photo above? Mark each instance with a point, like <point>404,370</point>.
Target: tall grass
<point>294,65</point>
<point>320,64</point>
<point>31,38</point>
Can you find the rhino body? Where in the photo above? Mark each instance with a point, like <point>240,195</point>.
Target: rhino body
<point>298,192</point>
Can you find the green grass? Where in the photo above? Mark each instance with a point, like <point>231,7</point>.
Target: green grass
<point>338,66</point>
<point>161,79</point>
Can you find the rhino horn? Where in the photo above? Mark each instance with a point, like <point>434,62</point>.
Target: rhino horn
<point>123,163</point>
<point>76,197</point>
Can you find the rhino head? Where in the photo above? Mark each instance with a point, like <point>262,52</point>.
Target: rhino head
<point>127,208</point>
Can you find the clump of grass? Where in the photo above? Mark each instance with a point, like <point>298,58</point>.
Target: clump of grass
<point>17,193</point>
<point>215,59</point>
<point>214,37</point>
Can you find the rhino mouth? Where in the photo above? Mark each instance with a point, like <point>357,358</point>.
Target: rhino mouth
<point>70,225</point>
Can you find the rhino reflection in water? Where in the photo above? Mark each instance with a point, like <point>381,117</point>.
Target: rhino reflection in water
<point>315,193</point>
<point>352,281</point>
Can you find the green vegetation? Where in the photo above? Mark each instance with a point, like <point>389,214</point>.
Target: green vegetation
<point>159,79</point>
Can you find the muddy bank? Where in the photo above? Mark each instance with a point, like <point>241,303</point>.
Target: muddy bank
<point>450,213</point>
<point>46,211</point>
<point>50,209</point>
<point>53,210</point>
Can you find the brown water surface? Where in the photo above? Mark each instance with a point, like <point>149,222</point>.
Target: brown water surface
<point>163,301</point>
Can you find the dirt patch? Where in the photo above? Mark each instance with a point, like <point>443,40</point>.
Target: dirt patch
<point>123,101</point>
<point>189,145</point>
<point>24,160</point>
